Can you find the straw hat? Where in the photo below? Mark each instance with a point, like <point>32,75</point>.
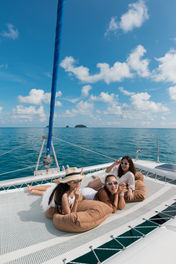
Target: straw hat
<point>72,174</point>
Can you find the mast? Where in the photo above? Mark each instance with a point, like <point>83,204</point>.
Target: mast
<point>48,159</point>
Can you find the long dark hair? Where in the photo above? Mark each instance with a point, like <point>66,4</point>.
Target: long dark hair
<point>131,166</point>
<point>58,191</point>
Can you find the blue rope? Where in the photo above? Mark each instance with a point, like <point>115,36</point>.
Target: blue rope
<point>55,72</point>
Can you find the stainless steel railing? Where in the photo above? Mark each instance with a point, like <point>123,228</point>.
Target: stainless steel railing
<point>141,149</point>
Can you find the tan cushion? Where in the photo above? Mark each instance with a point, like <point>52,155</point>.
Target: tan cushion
<point>139,193</point>
<point>50,212</point>
<point>139,176</point>
<point>89,215</point>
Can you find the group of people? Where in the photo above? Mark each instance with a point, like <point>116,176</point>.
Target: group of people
<point>65,194</point>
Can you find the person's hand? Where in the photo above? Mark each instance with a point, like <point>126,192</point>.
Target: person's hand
<point>122,187</point>
<point>116,162</point>
<point>81,171</point>
<point>77,194</point>
<point>129,194</point>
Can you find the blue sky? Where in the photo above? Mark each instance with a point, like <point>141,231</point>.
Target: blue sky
<point>117,63</point>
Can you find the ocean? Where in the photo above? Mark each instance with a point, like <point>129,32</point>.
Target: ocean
<point>110,142</point>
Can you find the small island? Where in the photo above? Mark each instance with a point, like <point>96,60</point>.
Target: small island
<point>80,125</point>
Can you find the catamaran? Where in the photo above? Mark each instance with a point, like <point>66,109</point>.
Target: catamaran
<point>143,232</point>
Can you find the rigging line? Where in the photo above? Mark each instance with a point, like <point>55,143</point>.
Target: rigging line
<point>84,148</point>
<point>13,149</point>
<point>17,170</point>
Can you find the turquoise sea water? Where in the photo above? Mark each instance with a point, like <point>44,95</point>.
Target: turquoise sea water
<point>112,142</point>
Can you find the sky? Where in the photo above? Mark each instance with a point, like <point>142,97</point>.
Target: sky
<point>117,63</point>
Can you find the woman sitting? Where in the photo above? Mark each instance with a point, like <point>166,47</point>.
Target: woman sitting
<point>111,194</point>
<point>66,195</point>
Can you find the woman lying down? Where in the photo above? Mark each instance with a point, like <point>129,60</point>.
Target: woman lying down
<point>66,195</point>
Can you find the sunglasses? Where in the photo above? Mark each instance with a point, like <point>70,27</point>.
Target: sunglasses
<point>124,163</point>
<point>111,183</point>
<point>77,181</point>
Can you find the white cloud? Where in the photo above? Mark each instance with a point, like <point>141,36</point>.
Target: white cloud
<point>113,26</point>
<point>85,90</point>
<point>82,108</point>
<point>117,72</point>
<point>12,32</point>
<point>58,103</point>
<point>37,96</point>
<point>172,92</point>
<point>135,16</point>
<point>125,92</point>
<point>112,100</point>
<point>1,108</point>
<point>137,64</point>
<point>29,113</point>
<point>104,97</point>
<point>141,102</point>
<point>167,68</point>
<point>113,109</point>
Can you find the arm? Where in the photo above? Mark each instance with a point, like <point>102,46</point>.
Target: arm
<point>65,204</point>
<point>131,185</point>
<point>78,197</point>
<point>112,166</point>
<point>122,203</point>
<point>103,197</point>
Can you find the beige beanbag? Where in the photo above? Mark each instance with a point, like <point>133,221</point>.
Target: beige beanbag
<point>89,215</point>
<point>139,192</point>
<point>139,176</point>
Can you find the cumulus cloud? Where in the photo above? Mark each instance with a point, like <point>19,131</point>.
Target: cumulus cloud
<point>137,64</point>
<point>29,113</point>
<point>136,15</point>
<point>167,68</point>
<point>104,97</point>
<point>172,92</point>
<point>11,33</point>
<point>112,100</point>
<point>85,90</point>
<point>141,102</point>
<point>82,108</point>
<point>118,72</point>
<point>37,97</point>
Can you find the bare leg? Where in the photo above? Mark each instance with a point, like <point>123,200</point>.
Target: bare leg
<point>38,188</point>
<point>37,192</point>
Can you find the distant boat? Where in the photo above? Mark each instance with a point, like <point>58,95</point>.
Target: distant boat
<point>80,125</point>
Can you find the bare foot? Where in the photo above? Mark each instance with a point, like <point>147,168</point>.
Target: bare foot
<point>57,180</point>
<point>29,188</point>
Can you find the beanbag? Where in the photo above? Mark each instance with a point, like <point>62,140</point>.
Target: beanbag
<point>50,212</point>
<point>89,215</point>
<point>139,176</point>
<point>139,192</point>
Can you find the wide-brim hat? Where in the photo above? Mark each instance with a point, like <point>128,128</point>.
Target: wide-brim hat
<point>72,174</point>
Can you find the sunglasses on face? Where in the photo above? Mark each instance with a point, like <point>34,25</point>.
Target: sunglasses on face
<point>124,163</point>
<point>112,183</point>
